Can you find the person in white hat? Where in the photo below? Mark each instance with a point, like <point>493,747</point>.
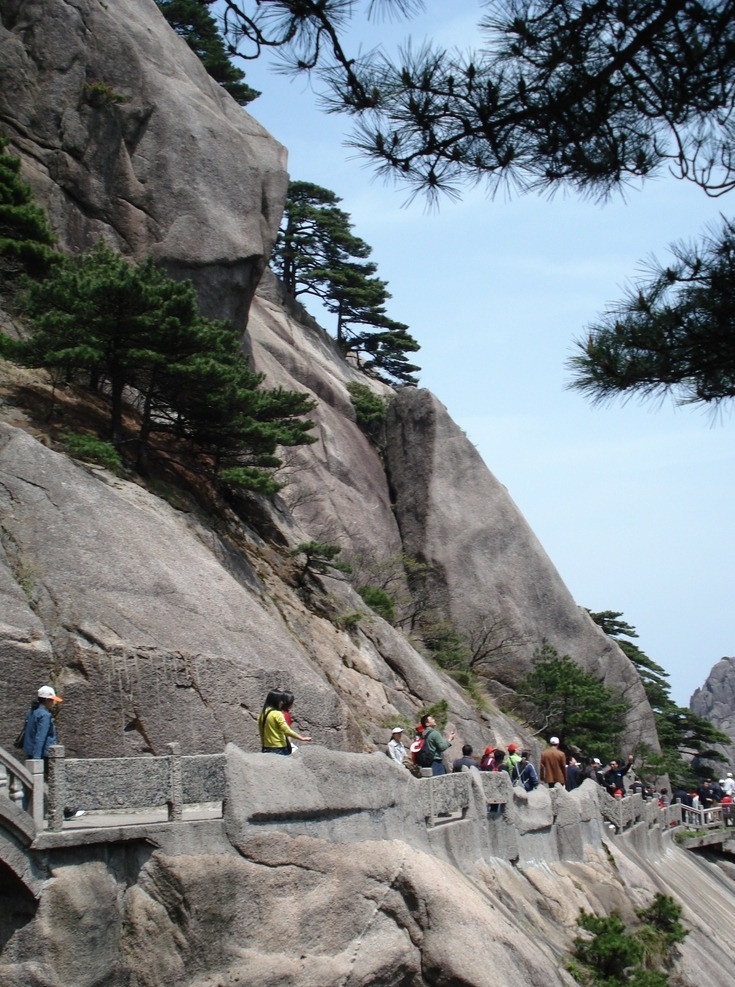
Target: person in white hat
<point>396,748</point>
<point>40,727</point>
<point>40,733</point>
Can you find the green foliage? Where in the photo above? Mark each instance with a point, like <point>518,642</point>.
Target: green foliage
<point>92,450</point>
<point>560,92</point>
<point>26,237</point>
<point>565,92</point>
<point>664,914</point>
<point>99,93</point>
<point>320,558</point>
<point>370,409</point>
<point>558,697</point>
<point>683,736</point>
<point>379,601</point>
<point>671,334</point>
<point>611,950</point>
<point>317,253</point>
<point>348,621</point>
<point>126,325</point>
<point>616,956</point>
<point>192,21</point>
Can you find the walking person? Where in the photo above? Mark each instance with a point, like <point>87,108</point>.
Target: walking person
<point>40,734</point>
<point>553,765</point>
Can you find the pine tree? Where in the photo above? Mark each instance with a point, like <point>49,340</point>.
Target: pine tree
<point>130,326</point>
<point>683,736</point>
<point>26,237</point>
<point>318,254</point>
<point>192,21</point>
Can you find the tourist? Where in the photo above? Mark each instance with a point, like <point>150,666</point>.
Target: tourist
<point>592,769</point>
<point>40,731</point>
<point>523,773</point>
<point>397,750</point>
<point>272,726</point>
<point>512,757</point>
<point>613,775</point>
<point>574,774</point>
<point>553,766</point>
<point>728,785</point>
<point>466,761</point>
<point>436,743</point>
<point>40,734</point>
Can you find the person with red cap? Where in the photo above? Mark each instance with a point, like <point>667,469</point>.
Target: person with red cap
<point>513,757</point>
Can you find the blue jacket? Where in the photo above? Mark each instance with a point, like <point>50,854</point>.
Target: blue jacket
<point>40,733</point>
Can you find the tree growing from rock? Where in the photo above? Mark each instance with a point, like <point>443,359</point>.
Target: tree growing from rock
<point>193,22</point>
<point>558,697</point>
<point>318,254</point>
<point>686,739</point>
<point>26,238</point>
<point>129,326</point>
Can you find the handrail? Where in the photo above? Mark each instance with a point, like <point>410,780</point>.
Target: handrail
<point>24,784</point>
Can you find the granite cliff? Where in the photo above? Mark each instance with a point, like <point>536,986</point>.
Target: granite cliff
<point>715,701</point>
<point>159,623</point>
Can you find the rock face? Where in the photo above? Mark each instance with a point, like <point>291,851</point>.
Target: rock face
<point>715,701</point>
<point>125,137</point>
<point>158,624</point>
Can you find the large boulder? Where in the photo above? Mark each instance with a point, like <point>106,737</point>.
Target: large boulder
<point>124,136</point>
<point>715,701</point>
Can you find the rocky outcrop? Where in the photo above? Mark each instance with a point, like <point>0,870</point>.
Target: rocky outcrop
<point>715,701</point>
<point>125,137</point>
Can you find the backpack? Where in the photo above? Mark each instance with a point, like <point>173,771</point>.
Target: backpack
<point>524,775</point>
<point>421,754</point>
<point>21,738</point>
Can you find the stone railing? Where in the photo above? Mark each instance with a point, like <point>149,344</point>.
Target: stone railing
<point>122,784</point>
<point>22,784</point>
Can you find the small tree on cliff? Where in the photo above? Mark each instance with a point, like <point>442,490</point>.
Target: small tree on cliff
<point>193,22</point>
<point>558,697</point>
<point>317,254</point>
<point>26,237</point>
<point>684,737</point>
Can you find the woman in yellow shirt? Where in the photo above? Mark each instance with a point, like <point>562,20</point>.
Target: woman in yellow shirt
<point>273,728</point>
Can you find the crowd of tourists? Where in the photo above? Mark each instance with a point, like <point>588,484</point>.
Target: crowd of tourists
<point>429,749</point>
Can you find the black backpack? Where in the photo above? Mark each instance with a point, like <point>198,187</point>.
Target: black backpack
<point>21,738</point>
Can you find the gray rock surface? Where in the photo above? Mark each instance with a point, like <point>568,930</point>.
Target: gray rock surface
<point>454,514</point>
<point>715,701</point>
<point>124,136</point>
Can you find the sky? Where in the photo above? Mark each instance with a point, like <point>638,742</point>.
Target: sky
<point>631,501</point>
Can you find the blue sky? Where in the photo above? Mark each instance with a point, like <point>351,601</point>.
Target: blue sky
<point>632,502</point>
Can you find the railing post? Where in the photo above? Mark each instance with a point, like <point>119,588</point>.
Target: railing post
<point>56,788</point>
<point>176,801</point>
<point>36,806</point>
